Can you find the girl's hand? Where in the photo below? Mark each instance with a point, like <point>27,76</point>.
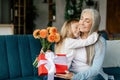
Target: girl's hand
<point>67,76</point>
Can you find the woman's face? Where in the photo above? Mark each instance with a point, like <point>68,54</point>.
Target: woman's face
<point>75,29</point>
<point>85,22</point>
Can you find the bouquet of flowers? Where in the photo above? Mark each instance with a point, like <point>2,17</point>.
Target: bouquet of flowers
<point>47,37</point>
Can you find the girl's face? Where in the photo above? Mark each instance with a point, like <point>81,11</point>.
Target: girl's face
<point>85,22</point>
<point>75,29</point>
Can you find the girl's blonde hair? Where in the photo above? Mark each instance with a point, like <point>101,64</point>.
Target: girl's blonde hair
<point>65,33</point>
<point>66,29</point>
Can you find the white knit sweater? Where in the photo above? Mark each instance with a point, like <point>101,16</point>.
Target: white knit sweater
<point>70,46</point>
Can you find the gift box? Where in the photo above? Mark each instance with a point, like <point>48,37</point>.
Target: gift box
<point>41,67</point>
<point>59,61</point>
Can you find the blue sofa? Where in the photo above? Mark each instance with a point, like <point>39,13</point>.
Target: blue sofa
<point>17,53</point>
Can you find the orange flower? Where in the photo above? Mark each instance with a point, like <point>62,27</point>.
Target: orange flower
<point>53,30</point>
<point>47,37</point>
<point>43,33</point>
<point>51,38</point>
<point>57,37</point>
<point>48,28</point>
<point>36,33</point>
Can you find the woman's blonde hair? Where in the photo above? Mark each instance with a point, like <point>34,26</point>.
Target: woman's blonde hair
<point>66,31</point>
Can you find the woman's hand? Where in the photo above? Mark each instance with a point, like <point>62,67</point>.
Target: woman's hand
<point>67,76</point>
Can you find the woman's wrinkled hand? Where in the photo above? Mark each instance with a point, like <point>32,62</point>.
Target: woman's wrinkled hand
<point>67,76</point>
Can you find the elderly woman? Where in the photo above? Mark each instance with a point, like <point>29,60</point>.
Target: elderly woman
<point>87,63</point>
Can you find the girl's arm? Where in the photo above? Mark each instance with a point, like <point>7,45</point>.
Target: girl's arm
<point>97,62</point>
<point>77,43</point>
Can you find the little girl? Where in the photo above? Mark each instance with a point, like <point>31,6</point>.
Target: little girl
<point>70,40</point>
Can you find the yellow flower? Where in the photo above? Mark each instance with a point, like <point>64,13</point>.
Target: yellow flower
<point>36,34</point>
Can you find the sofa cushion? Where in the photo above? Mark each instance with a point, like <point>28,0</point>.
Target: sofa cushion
<point>13,57</point>
<point>112,54</point>
<point>35,47</point>
<point>112,70</point>
<point>17,53</point>
<point>117,77</point>
<point>4,68</point>
<point>115,71</point>
<point>111,62</point>
<point>28,78</point>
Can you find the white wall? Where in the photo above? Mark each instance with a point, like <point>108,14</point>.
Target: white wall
<point>103,8</point>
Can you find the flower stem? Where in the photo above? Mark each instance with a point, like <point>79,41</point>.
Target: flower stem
<point>35,63</point>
